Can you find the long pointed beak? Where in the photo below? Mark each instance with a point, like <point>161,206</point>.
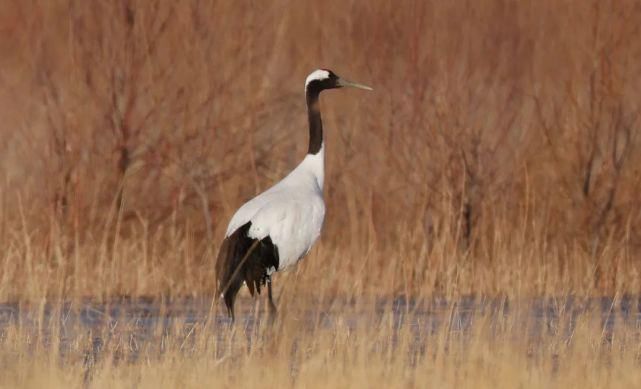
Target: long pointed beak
<point>344,82</point>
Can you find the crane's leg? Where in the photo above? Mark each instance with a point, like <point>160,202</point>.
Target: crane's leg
<point>272,306</point>
<point>230,311</point>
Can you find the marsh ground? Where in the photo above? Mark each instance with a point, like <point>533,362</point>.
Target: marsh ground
<point>497,157</point>
<point>471,342</point>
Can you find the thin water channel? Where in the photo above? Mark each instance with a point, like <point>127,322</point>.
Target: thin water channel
<point>144,323</point>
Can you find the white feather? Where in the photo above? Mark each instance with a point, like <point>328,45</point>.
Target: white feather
<point>318,74</point>
<point>291,212</point>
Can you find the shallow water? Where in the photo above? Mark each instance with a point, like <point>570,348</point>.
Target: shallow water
<point>144,324</point>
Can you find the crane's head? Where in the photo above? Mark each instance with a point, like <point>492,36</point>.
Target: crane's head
<point>322,79</point>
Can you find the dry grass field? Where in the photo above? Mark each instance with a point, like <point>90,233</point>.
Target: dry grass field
<point>499,157</point>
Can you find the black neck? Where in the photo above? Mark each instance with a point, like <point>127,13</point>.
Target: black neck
<point>315,122</point>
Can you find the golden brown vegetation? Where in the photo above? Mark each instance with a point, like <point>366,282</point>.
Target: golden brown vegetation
<point>498,156</point>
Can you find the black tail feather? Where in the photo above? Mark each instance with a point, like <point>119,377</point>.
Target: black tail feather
<point>242,258</point>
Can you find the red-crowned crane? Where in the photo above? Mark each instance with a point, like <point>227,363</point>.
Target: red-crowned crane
<point>277,228</point>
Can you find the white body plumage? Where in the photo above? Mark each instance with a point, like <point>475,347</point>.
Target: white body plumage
<point>291,212</point>
<point>275,229</point>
